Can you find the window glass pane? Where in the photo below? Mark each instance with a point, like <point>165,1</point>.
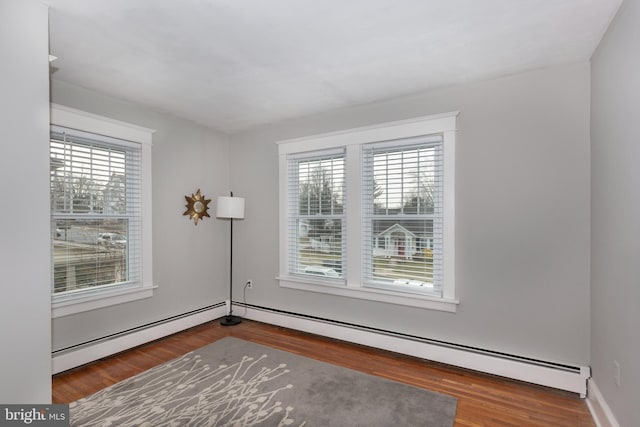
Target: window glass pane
<point>403,252</point>
<point>320,186</point>
<point>320,246</point>
<point>87,179</point>
<point>89,253</point>
<point>405,181</point>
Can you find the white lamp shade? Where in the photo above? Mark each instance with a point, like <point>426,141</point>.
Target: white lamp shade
<point>230,207</point>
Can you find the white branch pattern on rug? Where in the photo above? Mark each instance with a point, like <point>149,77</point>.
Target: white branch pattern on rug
<point>235,395</point>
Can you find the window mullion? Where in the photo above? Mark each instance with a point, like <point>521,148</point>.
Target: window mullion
<point>353,217</point>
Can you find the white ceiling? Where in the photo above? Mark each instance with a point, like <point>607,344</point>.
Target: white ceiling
<point>234,64</point>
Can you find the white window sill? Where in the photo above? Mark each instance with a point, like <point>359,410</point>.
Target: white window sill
<point>98,299</point>
<point>371,294</point>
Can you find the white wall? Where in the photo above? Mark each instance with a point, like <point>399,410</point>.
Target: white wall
<point>189,262</point>
<point>522,215</point>
<point>25,333</point>
<point>615,255</point>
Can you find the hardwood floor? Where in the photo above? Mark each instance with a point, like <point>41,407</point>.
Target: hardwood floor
<point>483,400</point>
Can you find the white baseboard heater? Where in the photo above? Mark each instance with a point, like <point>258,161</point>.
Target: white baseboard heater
<point>560,376</point>
<point>78,355</point>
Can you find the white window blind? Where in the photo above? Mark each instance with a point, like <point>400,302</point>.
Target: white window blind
<point>316,227</point>
<point>96,211</point>
<point>403,215</point>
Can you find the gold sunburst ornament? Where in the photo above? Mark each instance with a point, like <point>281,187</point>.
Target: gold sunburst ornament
<point>196,206</point>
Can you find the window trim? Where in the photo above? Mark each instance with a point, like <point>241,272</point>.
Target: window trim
<point>352,140</point>
<point>91,299</point>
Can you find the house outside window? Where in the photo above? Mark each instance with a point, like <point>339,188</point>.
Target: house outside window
<point>396,232</point>
<point>100,211</point>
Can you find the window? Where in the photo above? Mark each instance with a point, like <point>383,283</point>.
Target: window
<point>99,212</point>
<point>402,215</point>
<point>95,211</point>
<point>316,220</point>
<point>369,213</point>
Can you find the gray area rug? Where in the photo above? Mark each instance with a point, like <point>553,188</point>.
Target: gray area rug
<point>238,383</point>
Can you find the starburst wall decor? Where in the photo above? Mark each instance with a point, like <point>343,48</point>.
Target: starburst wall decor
<point>197,206</point>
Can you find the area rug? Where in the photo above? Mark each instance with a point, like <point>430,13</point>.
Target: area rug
<point>238,383</point>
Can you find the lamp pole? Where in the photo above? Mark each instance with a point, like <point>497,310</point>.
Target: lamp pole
<point>230,319</point>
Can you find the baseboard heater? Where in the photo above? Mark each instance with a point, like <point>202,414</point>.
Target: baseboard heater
<point>80,354</point>
<point>550,374</point>
<point>561,376</point>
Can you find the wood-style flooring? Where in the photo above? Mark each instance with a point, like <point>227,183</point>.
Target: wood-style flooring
<point>483,400</point>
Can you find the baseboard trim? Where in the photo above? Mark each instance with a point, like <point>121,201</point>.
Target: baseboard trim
<point>97,349</point>
<point>573,381</point>
<point>599,408</point>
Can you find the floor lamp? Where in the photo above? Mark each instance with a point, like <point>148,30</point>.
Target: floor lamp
<point>230,208</point>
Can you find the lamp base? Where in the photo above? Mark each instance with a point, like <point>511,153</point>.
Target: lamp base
<point>230,320</point>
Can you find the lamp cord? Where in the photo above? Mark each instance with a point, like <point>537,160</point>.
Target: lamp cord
<point>244,298</point>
